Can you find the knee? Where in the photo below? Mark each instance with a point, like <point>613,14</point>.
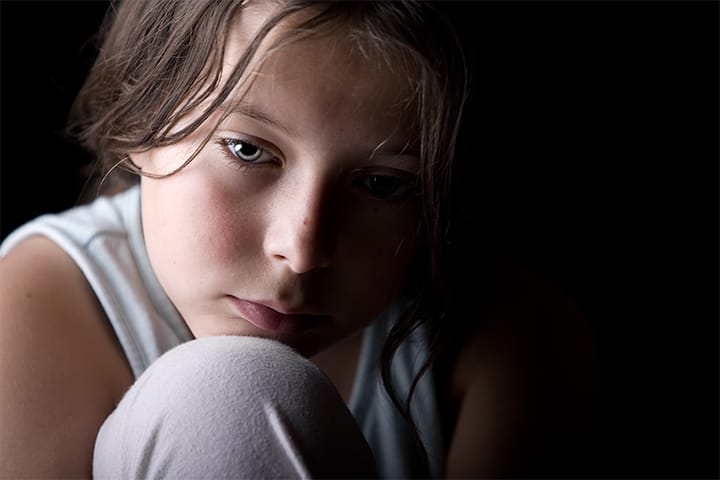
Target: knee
<point>229,407</point>
<point>226,370</point>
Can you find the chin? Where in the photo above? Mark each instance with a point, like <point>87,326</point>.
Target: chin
<point>221,329</point>
<point>307,343</point>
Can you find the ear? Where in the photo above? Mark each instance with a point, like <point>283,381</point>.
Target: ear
<point>153,162</point>
<point>161,161</point>
<point>133,160</point>
<point>139,160</point>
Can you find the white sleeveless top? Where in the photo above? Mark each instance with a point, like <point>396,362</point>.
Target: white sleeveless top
<point>105,240</point>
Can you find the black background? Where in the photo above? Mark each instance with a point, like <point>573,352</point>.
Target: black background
<point>593,143</point>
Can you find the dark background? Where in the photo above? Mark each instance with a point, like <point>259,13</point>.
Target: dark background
<point>593,139</point>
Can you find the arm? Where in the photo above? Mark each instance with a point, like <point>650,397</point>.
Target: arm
<point>526,388</point>
<point>61,368</point>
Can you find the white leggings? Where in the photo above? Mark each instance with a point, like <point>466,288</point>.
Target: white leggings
<point>231,407</point>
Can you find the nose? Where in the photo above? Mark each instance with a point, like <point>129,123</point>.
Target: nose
<point>301,231</point>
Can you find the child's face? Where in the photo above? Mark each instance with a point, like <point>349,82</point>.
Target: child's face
<point>298,220</point>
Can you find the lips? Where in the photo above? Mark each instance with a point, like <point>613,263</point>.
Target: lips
<point>271,320</point>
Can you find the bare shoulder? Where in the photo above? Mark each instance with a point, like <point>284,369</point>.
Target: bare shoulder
<point>525,383</point>
<point>61,367</point>
<point>529,318</point>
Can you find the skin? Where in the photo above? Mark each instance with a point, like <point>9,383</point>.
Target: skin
<point>302,230</point>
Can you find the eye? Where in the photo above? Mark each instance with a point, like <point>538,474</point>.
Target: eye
<point>385,187</point>
<point>247,152</point>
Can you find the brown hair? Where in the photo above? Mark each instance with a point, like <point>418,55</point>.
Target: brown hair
<point>159,60</point>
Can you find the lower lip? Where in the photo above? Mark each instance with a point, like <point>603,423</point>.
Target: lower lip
<point>273,321</point>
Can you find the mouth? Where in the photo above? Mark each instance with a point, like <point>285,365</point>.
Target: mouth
<point>269,319</point>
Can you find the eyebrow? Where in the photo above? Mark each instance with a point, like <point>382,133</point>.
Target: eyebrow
<point>254,113</point>
<point>251,111</point>
<point>405,150</point>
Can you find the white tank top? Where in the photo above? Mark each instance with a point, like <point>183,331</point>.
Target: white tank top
<point>105,240</point>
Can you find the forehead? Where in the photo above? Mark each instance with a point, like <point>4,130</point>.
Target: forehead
<point>320,85</point>
<point>335,55</point>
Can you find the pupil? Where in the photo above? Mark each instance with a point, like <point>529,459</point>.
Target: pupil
<point>383,185</point>
<point>246,150</point>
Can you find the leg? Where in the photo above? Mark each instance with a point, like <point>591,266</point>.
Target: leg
<point>231,407</point>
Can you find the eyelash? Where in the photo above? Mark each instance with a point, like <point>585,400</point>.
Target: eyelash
<point>402,186</point>
<point>227,144</point>
<point>404,183</point>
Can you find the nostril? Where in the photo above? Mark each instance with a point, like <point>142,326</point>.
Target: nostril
<point>300,241</point>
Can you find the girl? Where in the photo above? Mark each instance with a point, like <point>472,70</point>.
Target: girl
<point>269,246</point>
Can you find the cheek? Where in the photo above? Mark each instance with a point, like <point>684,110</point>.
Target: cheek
<point>194,230</point>
<point>381,250</point>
